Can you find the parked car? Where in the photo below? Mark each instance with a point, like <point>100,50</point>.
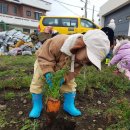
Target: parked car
<point>67,25</point>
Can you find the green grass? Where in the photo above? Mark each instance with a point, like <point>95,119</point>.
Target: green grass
<point>15,71</point>
<point>30,125</point>
<point>93,111</point>
<point>9,95</point>
<point>3,121</point>
<point>103,80</point>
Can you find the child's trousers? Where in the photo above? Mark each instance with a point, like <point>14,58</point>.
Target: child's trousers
<point>38,81</point>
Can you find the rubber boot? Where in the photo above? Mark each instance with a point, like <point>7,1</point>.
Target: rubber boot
<point>69,106</point>
<point>37,106</point>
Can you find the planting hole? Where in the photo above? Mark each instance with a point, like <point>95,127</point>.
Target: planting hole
<point>61,124</point>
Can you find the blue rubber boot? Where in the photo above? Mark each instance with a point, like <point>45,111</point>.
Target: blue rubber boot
<point>37,106</point>
<point>69,106</point>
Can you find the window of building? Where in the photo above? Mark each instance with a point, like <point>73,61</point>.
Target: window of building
<point>0,7</point>
<point>15,10</point>
<point>25,30</point>
<point>128,18</point>
<point>16,0</point>
<point>3,8</point>
<point>37,15</point>
<point>28,13</point>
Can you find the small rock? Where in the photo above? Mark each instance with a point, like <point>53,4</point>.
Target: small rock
<point>100,129</point>
<point>98,113</point>
<point>81,107</point>
<point>41,125</point>
<point>20,112</point>
<point>99,102</point>
<point>24,101</point>
<point>104,104</point>
<point>2,107</point>
<point>94,120</point>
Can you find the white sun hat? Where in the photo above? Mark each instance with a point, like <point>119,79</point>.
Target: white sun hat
<point>98,46</point>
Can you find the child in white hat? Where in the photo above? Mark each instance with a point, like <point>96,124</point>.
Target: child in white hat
<point>90,48</point>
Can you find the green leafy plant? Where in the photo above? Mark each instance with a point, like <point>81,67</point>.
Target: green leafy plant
<point>30,125</point>
<point>54,92</point>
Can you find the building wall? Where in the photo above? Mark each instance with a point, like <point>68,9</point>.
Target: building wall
<point>121,19</point>
<point>21,20</point>
<point>111,5</point>
<point>11,7</point>
<point>32,10</point>
<point>22,9</point>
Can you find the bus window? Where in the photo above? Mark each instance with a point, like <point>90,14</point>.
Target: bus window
<point>51,22</point>
<point>87,24</point>
<point>69,22</point>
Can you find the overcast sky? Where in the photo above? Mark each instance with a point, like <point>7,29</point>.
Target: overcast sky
<point>60,9</point>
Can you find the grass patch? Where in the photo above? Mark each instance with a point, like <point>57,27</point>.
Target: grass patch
<point>91,78</point>
<point>93,111</point>
<point>9,95</point>
<point>30,125</point>
<point>16,72</point>
<point>3,121</point>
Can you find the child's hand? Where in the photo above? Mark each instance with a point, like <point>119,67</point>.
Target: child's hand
<point>48,77</point>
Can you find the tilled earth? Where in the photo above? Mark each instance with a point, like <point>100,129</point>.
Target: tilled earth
<point>17,109</point>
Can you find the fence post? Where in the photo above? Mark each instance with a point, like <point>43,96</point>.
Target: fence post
<point>3,25</point>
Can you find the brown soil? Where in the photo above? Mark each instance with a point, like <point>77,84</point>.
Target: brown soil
<point>62,121</point>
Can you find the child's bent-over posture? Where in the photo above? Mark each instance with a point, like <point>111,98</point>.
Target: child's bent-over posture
<point>122,56</point>
<point>90,48</point>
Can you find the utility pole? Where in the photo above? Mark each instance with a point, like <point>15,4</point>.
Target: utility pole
<point>93,13</point>
<point>85,7</point>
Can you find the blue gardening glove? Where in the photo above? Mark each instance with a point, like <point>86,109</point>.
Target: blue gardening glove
<point>48,77</point>
<point>62,81</point>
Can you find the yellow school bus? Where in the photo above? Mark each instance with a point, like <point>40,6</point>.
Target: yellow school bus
<point>67,25</point>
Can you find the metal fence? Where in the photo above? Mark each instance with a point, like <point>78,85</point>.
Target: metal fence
<point>5,27</point>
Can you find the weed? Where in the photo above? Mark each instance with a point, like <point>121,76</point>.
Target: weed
<point>93,111</point>
<point>3,121</point>
<point>30,125</point>
<point>9,95</point>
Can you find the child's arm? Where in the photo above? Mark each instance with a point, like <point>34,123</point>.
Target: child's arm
<point>116,59</point>
<point>46,58</point>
